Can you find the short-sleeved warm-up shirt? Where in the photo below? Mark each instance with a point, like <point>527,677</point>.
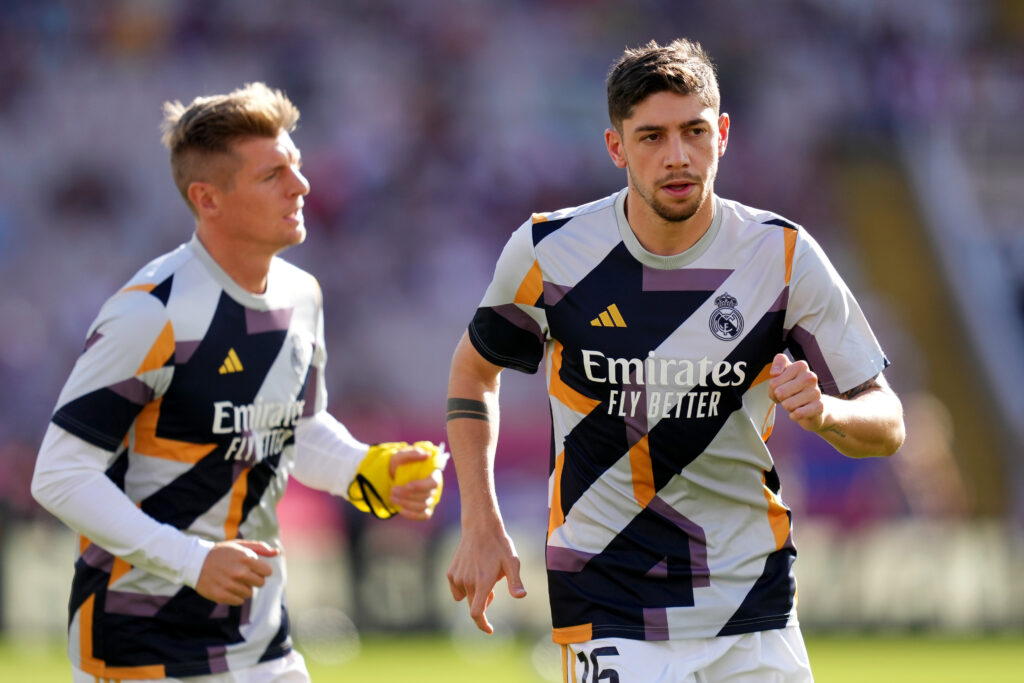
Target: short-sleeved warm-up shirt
<point>666,518</point>
<point>194,387</point>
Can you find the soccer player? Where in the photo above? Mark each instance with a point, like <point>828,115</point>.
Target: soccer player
<point>199,391</point>
<point>663,312</point>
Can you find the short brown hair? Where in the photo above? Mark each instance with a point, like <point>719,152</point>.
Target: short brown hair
<point>205,131</point>
<point>682,67</point>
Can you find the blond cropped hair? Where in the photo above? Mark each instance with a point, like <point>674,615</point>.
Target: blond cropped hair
<point>201,136</point>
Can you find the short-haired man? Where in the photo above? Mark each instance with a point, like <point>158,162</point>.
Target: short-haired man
<point>663,312</point>
<point>200,389</point>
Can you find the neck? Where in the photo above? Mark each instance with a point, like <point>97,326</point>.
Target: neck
<point>243,261</point>
<point>664,237</point>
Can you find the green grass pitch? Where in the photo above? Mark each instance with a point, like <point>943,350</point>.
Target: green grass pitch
<point>878,658</point>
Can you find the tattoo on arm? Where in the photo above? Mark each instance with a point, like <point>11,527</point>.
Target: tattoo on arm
<point>835,430</point>
<point>861,388</point>
<point>466,407</point>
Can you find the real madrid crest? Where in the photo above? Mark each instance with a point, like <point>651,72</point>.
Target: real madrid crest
<point>726,322</point>
<point>302,355</point>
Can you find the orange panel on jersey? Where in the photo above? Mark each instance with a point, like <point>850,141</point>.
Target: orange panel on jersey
<point>119,569</point>
<point>97,667</point>
<point>531,288</point>
<point>768,424</point>
<point>763,376</point>
<point>148,443</point>
<point>562,391</point>
<point>538,218</point>
<point>778,518</point>
<point>643,472</point>
<point>160,352</point>
<point>556,517</point>
<point>234,518</point>
<point>789,235</point>
<point>149,287</point>
<point>573,634</point>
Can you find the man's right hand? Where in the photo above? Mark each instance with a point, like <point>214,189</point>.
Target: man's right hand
<point>232,569</point>
<point>481,560</point>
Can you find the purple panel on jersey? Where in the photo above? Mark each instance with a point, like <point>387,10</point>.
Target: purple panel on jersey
<point>689,280</point>
<point>98,558</point>
<point>554,293</point>
<point>218,658</point>
<point>134,390</point>
<point>655,623</point>
<point>659,571</point>
<point>567,559</point>
<point>517,317</point>
<point>636,420</point>
<point>782,302</point>
<point>134,604</point>
<point>183,351</point>
<point>96,336</point>
<point>701,576</point>
<point>312,381</point>
<point>220,611</point>
<point>267,321</point>
<point>812,352</point>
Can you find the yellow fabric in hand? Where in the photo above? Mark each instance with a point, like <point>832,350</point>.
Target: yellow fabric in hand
<point>370,491</point>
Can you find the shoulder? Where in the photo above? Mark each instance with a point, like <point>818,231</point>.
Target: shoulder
<point>143,298</point>
<point>160,269</point>
<point>543,224</point>
<point>290,278</point>
<point>596,206</point>
<point>749,216</point>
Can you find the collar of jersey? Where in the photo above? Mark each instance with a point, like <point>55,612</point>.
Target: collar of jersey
<point>261,302</point>
<point>674,261</point>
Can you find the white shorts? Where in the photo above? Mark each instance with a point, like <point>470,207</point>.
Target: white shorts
<point>288,669</point>
<point>776,656</point>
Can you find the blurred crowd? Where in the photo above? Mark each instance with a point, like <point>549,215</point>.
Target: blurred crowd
<point>429,131</point>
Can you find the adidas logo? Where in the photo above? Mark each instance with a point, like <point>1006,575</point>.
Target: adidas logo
<point>231,363</point>
<point>610,317</point>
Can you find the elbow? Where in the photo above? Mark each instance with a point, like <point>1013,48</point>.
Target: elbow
<point>899,435</point>
<point>893,440</point>
<point>41,489</point>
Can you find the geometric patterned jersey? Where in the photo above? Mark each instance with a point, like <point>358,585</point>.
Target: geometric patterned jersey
<point>666,515</point>
<point>193,386</point>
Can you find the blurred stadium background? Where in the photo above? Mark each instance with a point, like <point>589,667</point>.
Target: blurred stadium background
<point>430,130</point>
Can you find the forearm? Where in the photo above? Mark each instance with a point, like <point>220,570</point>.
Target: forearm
<point>70,482</point>
<point>473,444</point>
<point>868,425</point>
<point>472,426</point>
<point>327,456</point>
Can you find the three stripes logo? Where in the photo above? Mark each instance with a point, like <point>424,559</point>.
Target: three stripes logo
<point>610,317</point>
<point>231,363</point>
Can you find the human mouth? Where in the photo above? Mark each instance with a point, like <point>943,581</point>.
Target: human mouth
<point>679,189</point>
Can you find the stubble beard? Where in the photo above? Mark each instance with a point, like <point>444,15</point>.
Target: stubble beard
<point>679,212</point>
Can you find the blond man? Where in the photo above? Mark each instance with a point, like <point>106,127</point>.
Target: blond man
<point>199,391</point>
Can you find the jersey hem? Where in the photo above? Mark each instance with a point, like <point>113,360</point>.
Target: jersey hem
<point>570,635</point>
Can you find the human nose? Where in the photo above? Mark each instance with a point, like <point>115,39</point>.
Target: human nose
<point>677,155</point>
<point>300,182</point>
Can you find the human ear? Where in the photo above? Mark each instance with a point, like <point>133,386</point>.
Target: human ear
<point>723,133</point>
<point>613,141</point>
<point>203,197</point>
